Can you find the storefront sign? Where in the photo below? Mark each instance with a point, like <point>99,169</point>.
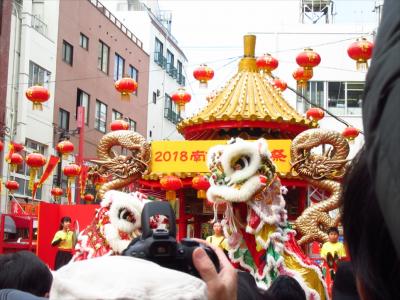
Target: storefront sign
<point>191,156</point>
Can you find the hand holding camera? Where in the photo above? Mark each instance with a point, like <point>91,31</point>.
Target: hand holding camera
<point>160,245</point>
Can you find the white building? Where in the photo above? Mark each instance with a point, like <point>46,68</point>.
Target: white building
<point>32,60</point>
<point>167,62</point>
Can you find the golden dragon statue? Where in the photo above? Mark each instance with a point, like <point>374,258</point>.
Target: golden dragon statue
<point>121,169</point>
<point>323,172</point>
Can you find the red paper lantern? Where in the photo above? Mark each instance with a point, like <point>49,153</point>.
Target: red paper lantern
<point>126,86</point>
<point>37,94</point>
<point>308,59</point>
<point>15,160</point>
<point>57,192</point>
<point>201,184</point>
<point>361,51</point>
<point>171,183</point>
<point>203,74</point>
<point>119,125</point>
<point>71,171</point>
<point>12,186</point>
<point>267,63</point>
<point>350,133</point>
<point>280,84</point>
<point>34,161</point>
<point>17,147</point>
<point>181,97</point>
<point>65,148</point>
<point>315,114</point>
<point>301,77</point>
<point>88,198</point>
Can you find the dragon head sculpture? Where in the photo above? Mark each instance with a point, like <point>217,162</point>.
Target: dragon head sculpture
<point>116,223</point>
<point>255,221</point>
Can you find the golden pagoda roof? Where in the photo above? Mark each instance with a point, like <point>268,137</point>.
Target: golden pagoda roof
<point>248,95</point>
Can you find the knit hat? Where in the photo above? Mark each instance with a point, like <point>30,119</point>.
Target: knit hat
<point>122,277</point>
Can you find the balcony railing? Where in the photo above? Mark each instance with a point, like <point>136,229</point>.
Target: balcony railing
<point>39,25</point>
<point>172,116</point>
<point>100,7</point>
<point>172,71</point>
<point>181,79</point>
<point>160,60</point>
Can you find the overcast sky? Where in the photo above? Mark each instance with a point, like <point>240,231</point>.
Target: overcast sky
<point>211,31</point>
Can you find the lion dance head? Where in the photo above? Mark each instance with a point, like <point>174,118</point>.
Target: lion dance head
<point>243,177</point>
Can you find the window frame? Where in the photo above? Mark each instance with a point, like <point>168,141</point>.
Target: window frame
<point>132,122</point>
<point>103,60</point>
<point>116,115</point>
<point>98,114</point>
<point>131,71</point>
<point>80,92</point>
<point>65,58</point>
<point>118,71</point>
<point>61,113</point>
<point>82,39</point>
<point>34,75</point>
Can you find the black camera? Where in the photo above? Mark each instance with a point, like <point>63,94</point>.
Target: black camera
<point>160,245</point>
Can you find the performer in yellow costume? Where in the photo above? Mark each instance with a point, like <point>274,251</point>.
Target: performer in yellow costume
<point>64,239</point>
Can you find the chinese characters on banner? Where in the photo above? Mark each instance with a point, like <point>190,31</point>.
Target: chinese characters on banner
<point>191,156</point>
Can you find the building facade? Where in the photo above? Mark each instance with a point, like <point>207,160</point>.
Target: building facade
<point>31,60</point>
<point>167,63</point>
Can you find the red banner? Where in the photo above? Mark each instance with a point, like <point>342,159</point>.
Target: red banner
<point>51,164</point>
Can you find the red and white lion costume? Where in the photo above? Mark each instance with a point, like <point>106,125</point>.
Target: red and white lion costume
<point>117,222</point>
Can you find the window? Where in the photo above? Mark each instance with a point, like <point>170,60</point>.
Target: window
<point>336,97</point>
<point>63,119</point>
<point>116,115</point>
<point>134,73</point>
<point>84,41</point>
<point>171,111</point>
<point>340,97</point>
<point>82,99</point>
<point>170,64</point>
<point>38,75</point>
<point>315,93</point>
<point>132,125</point>
<point>118,67</point>
<point>154,97</point>
<point>180,78</point>
<point>102,62</point>
<point>158,52</point>
<point>101,116</point>
<point>67,52</point>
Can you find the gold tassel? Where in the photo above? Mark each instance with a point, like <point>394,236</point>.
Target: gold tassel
<point>125,97</point>
<point>201,194</point>
<point>170,195</point>
<point>32,178</point>
<point>37,106</point>
<point>362,65</point>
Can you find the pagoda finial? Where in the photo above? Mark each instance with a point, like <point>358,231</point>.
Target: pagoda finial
<point>249,45</point>
<point>248,62</point>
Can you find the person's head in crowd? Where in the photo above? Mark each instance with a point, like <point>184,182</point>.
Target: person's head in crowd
<point>333,234</point>
<point>217,228</point>
<point>344,286</point>
<point>286,288</point>
<point>24,271</point>
<point>65,223</point>
<point>374,258</point>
